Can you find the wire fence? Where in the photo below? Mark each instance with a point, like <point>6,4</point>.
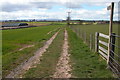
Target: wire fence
<point>102,48</point>
<point>116,56</point>
<point>89,40</point>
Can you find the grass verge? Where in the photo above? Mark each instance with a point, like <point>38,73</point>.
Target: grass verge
<point>48,61</point>
<point>85,64</point>
<point>36,35</point>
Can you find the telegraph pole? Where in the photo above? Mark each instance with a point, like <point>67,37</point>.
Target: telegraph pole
<point>68,18</point>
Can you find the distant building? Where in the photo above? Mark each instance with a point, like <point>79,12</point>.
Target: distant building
<point>14,25</point>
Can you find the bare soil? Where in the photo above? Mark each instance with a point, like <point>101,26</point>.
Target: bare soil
<point>26,65</point>
<point>63,67</point>
<point>27,46</point>
<point>51,31</point>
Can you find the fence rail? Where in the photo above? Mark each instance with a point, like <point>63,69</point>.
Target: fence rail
<point>111,57</point>
<point>103,43</point>
<point>104,55</point>
<point>103,35</point>
<point>97,45</point>
<point>103,49</point>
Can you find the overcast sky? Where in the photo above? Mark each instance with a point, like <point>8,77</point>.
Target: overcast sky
<point>56,9</point>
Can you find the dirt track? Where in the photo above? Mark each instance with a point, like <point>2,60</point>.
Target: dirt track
<point>63,67</point>
<point>21,69</point>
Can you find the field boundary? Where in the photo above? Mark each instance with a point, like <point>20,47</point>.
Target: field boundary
<point>112,58</point>
<point>9,28</point>
<point>26,65</point>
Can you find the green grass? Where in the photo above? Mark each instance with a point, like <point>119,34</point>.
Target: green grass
<point>48,61</point>
<point>26,22</point>
<point>85,64</point>
<point>39,22</point>
<point>0,53</point>
<point>13,39</point>
<point>91,29</point>
<point>101,28</point>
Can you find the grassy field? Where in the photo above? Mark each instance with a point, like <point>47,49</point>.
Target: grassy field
<point>0,53</point>
<point>102,28</point>
<point>36,23</point>
<point>48,61</point>
<point>85,64</point>
<point>15,39</point>
<point>81,30</point>
<point>91,29</point>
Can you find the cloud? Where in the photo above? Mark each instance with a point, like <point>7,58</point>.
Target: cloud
<point>72,5</point>
<point>9,7</point>
<point>40,9</point>
<point>15,5</point>
<point>46,5</point>
<point>28,14</point>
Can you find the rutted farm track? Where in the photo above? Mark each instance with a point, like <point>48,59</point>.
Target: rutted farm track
<point>55,61</point>
<point>63,67</point>
<point>33,60</point>
<point>64,55</point>
<point>21,44</point>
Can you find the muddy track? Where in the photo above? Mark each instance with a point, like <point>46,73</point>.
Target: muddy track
<point>23,67</point>
<point>63,67</point>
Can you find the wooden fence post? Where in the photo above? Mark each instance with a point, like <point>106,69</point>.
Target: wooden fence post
<point>110,30</point>
<point>96,41</point>
<point>79,32</point>
<point>75,30</point>
<point>85,37</point>
<point>118,67</point>
<point>112,50</point>
<point>93,42</point>
<point>90,41</point>
<point>118,59</point>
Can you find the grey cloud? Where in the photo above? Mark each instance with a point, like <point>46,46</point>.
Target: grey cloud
<point>8,7</point>
<point>46,5</point>
<point>72,5</point>
<point>49,5</point>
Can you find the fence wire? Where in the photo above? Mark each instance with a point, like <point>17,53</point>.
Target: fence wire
<point>115,65</point>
